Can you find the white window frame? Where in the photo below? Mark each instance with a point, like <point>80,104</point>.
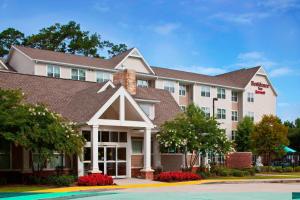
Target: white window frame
<point>221,113</point>
<point>221,93</point>
<point>102,76</point>
<point>251,115</point>
<point>142,83</point>
<point>48,161</point>
<point>250,97</point>
<point>205,91</point>
<point>234,117</point>
<point>139,139</point>
<point>183,108</point>
<point>206,111</point>
<point>169,86</point>
<point>78,77</point>
<point>182,90</point>
<point>233,134</point>
<point>53,69</point>
<point>234,96</point>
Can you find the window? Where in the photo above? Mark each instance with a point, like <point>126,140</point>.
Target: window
<point>112,136</point>
<point>78,74</point>
<point>182,90</point>
<point>102,77</point>
<point>234,96</point>
<point>142,83</point>
<point>250,97</point>
<point>234,116</point>
<point>205,91</point>
<point>87,135</point>
<point>221,113</point>
<point>169,86</point>
<point>221,93</point>
<point>137,145</point>
<point>4,154</point>
<point>56,161</point>
<point>251,115</point>
<point>53,71</point>
<point>146,108</point>
<point>183,108</point>
<point>206,111</point>
<point>233,135</point>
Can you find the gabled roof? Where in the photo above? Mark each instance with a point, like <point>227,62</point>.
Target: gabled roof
<point>236,79</point>
<point>65,58</point>
<point>78,101</point>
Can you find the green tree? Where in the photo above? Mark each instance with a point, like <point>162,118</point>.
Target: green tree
<point>36,129</point>
<point>289,124</point>
<point>67,38</point>
<point>294,134</point>
<point>269,138</point>
<point>8,38</point>
<point>191,131</point>
<point>244,130</point>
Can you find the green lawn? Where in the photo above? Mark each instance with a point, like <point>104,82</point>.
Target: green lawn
<point>265,175</point>
<point>22,188</point>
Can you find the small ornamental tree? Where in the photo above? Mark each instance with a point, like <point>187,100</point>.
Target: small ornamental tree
<point>269,138</point>
<point>244,130</point>
<point>192,132</point>
<point>36,129</point>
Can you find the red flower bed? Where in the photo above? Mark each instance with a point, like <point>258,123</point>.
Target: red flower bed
<point>95,179</point>
<point>177,176</point>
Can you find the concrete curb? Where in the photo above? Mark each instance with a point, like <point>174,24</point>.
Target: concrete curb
<point>255,181</point>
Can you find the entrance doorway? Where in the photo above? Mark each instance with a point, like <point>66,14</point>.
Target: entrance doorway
<point>112,160</point>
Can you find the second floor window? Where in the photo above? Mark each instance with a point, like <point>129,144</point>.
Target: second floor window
<point>169,86</point>
<point>102,77</point>
<point>221,93</point>
<point>234,116</point>
<point>206,111</point>
<point>78,74</point>
<point>234,96</point>
<point>221,113</point>
<point>251,115</point>
<point>182,90</point>
<point>250,97</point>
<point>233,135</point>
<point>53,71</point>
<point>205,91</point>
<point>142,83</point>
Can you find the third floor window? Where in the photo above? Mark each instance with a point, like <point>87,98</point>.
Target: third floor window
<point>169,86</point>
<point>78,74</point>
<point>205,91</point>
<point>53,71</point>
<point>221,113</point>
<point>102,77</point>
<point>250,97</point>
<point>234,96</point>
<point>182,90</point>
<point>142,83</point>
<point>221,93</point>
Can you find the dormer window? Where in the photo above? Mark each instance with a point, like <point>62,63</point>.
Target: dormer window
<point>53,71</point>
<point>169,86</point>
<point>148,109</point>
<point>78,74</point>
<point>102,77</point>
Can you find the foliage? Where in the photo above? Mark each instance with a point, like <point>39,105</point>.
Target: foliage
<point>67,38</point>
<point>294,134</point>
<point>95,179</point>
<point>297,169</point>
<point>191,131</point>
<point>222,171</point>
<point>8,38</point>
<point>244,130</point>
<point>269,137</point>
<point>177,176</point>
<point>37,129</point>
<point>62,180</point>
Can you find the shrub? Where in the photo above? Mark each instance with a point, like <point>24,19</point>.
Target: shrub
<point>95,179</point>
<point>297,169</point>
<point>251,171</point>
<point>288,169</point>
<point>204,174</point>
<point>277,169</point>
<point>177,176</point>
<point>61,180</point>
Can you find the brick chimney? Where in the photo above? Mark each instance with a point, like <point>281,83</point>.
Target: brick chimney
<point>127,78</point>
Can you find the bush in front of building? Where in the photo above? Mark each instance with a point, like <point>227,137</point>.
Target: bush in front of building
<point>278,169</point>
<point>177,176</point>
<point>222,171</point>
<point>95,179</point>
<point>297,169</point>
<point>61,180</point>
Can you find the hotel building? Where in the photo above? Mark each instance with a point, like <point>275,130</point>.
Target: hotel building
<point>122,101</point>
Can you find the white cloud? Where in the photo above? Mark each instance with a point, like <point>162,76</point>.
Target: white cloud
<point>209,70</point>
<point>166,29</point>
<point>280,5</point>
<point>289,111</point>
<point>280,72</point>
<point>254,58</point>
<point>242,18</point>
<point>101,7</point>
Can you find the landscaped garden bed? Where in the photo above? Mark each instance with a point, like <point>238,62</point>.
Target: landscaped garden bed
<point>95,179</point>
<point>177,176</point>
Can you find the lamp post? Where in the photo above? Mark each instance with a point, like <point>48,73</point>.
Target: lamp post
<point>214,99</point>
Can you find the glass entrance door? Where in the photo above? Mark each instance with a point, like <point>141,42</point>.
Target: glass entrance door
<point>112,161</point>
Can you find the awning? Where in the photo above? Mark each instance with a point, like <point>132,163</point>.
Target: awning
<point>289,150</point>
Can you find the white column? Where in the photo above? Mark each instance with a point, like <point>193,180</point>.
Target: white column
<point>156,154</point>
<point>147,150</point>
<point>128,155</point>
<point>80,169</point>
<point>94,149</point>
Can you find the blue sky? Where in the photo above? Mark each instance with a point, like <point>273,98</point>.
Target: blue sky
<point>203,36</point>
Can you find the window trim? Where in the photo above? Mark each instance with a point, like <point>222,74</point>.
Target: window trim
<point>180,90</point>
<point>54,66</point>
<point>221,114</point>
<point>237,99</point>
<point>252,117</point>
<point>220,94</point>
<point>250,97</point>
<point>237,115</point>
<point>78,76</point>
<point>167,87</point>
<point>142,85</point>
<point>103,80</point>
<point>140,139</point>
<point>203,90</point>
<point>204,109</point>
<point>233,136</point>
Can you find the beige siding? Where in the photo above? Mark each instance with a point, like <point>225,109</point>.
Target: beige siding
<point>21,63</point>
<point>136,64</point>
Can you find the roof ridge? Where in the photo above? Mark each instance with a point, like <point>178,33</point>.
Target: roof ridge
<point>182,71</point>
<point>234,71</point>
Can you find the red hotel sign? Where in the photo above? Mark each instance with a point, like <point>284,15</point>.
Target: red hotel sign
<point>261,86</point>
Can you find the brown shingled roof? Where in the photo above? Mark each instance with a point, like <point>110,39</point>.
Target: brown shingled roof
<point>52,56</point>
<point>78,101</point>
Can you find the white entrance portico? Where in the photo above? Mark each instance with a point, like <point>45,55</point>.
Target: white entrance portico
<point>108,134</point>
